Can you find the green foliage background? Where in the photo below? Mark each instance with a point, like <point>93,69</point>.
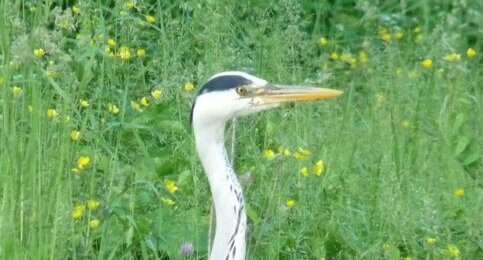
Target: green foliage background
<point>396,146</point>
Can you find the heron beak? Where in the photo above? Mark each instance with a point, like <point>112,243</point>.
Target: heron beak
<point>285,94</point>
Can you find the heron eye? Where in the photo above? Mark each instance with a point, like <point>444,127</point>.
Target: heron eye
<point>241,91</point>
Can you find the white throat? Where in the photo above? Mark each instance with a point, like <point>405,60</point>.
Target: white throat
<point>229,242</point>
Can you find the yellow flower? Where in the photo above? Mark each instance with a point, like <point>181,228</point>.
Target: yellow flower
<point>78,211</point>
<point>386,37</point>
<point>430,240</point>
<point>84,103</point>
<point>111,42</point>
<point>124,53</point>
<point>323,41</point>
<point>286,152</point>
<point>157,94</point>
<point>171,186</point>
<point>75,135</point>
<point>167,201</point>
<point>52,113</point>
<point>300,157</point>
<point>290,203</point>
<point>459,193</point>
<point>16,91</point>
<point>471,53</point>
<point>94,224</point>
<point>304,172</point>
<point>406,124</point>
<point>417,29</point>
<point>93,204</point>
<point>453,251</point>
<point>189,87</point>
<point>39,52</point>
<point>334,56</point>
<point>113,109</point>
<point>453,57</point>
<point>399,35</point>
<point>150,19</point>
<point>319,168</point>
<point>144,102</point>
<point>76,9</point>
<point>427,63</point>
<point>130,5</point>
<point>268,154</point>
<point>83,162</point>
<point>141,53</point>
<point>136,106</point>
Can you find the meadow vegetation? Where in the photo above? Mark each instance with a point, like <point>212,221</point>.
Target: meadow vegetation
<point>97,158</point>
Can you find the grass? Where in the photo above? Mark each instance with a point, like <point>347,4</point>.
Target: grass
<point>401,149</point>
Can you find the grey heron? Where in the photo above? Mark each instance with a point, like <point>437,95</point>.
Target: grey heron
<point>225,96</point>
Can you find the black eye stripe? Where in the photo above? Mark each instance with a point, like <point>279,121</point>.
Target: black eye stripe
<point>224,82</point>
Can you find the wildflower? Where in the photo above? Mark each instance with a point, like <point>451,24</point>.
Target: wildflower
<point>76,9</point>
<point>189,87</point>
<point>453,57</point>
<point>304,172</point>
<point>186,249</point>
<point>78,211</point>
<point>459,193</point>
<point>453,251</point>
<point>156,94</point>
<point>430,240</point>
<point>83,162</point>
<point>124,53</point>
<point>323,41</point>
<point>406,124</point>
<point>52,113</point>
<point>298,156</point>
<point>109,52</point>
<point>319,168</point>
<point>16,91</point>
<point>470,53</point>
<point>417,29</point>
<point>136,106</point>
<point>141,53</point>
<point>268,154</point>
<point>93,204</point>
<point>284,151</point>
<point>144,102</point>
<point>130,5</point>
<point>334,56</point>
<point>427,63</point>
<point>94,224</point>
<point>171,186</point>
<point>399,35</point>
<point>290,203</point>
<point>150,19</point>
<point>111,42</point>
<point>84,103</point>
<point>386,37</point>
<point>75,135</point>
<point>113,109</point>
<point>167,201</point>
<point>39,52</point>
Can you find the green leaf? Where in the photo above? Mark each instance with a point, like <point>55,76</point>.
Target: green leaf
<point>461,145</point>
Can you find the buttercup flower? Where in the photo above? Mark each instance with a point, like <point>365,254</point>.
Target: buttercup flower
<point>113,109</point>
<point>290,203</point>
<point>470,53</point>
<point>124,53</point>
<point>52,113</point>
<point>111,42</point>
<point>75,135</point>
<point>167,201</point>
<point>150,19</point>
<point>144,102</point>
<point>39,52</point>
<point>16,91</point>
<point>430,240</point>
<point>189,87</point>
<point>268,154</point>
<point>323,41</point>
<point>78,211</point>
<point>156,94</point>
<point>76,9</point>
<point>94,224</point>
<point>136,106</point>
<point>84,103</point>
<point>453,57</point>
<point>93,204</point>
<point>141,53</point>
<point>459,193</point>
<point>83,162</point>
<point>453,251</point>
<point>319,168</point>
<point>427,63</point>
<point>304,172</point>
<point>334,56</point>
<point>171,186</point>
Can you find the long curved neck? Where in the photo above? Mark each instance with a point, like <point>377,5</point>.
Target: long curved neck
<point>229,242</point>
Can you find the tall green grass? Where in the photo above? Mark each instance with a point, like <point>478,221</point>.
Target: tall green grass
<point>401,148</point>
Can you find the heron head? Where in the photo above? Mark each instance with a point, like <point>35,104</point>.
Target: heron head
<point>231,94</point>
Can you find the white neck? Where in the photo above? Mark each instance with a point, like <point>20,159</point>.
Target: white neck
<point>229,242</point>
